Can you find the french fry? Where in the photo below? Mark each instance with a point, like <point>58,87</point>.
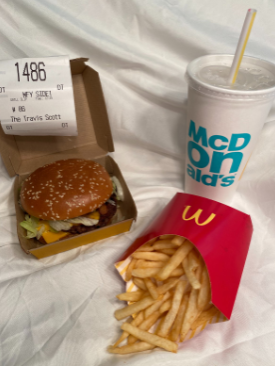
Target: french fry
<point>178,240</point>
<point>165,306</point>
<point>155,306</point>
<point>205,292</point>
<point>190,314</point>
<point>150,338</point>
<point>133,296</point>
<point>189,268</point>
<point>146,325</point>
<point>174,335</point>
<point>172,314</point>
<point>141,263</point>
<point>169,252</point>
<point>148,248</point>
<point>145,272</point>
<point>193,260</point>
<point>164,244</point>
<point>174,261</point>
<point>205,317</point>
<point>179,271</point>
<point>164,237</point>
<point>134,308</point>
<point>167,286</point>
<point>130,267</point>
<point>192,311</point>
<point>139,283</point>
<point>150,256</point>
<point>129,349</point>
<point>135,322</point>
<point>151,288</point>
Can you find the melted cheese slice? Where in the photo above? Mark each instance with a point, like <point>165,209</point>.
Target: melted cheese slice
<point>94,215</point>
<point>49,236</point>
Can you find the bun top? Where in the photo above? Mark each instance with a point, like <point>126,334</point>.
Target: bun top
<point>66,189</point>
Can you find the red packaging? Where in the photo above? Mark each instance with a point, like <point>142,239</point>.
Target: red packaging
<point>221,234</point>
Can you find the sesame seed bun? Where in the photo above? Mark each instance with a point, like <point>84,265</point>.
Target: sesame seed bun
<point>66,189</point>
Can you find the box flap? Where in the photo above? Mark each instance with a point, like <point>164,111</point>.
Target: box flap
<point>23,154</point>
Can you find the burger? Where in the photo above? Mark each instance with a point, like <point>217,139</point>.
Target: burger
<point>66,198</point>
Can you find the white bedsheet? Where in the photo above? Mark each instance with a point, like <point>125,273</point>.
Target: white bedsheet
<point>59,310</point>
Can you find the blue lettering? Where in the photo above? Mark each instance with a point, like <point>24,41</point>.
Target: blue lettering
<point>234,140</point>
<point>190,171</point>
<point>200,134</point>
<point>214,138</point>
<point>219,157</point>
<point>204,158</point>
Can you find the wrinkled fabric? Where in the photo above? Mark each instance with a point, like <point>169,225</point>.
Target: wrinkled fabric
<point>59,310</point>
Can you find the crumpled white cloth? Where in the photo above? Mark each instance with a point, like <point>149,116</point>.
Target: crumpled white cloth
<point>59,310</point>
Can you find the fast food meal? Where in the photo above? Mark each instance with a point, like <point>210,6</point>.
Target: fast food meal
<point>172,296</point>
<point>67,198</point>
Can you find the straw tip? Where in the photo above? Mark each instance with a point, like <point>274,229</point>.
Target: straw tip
<point>252,10</point>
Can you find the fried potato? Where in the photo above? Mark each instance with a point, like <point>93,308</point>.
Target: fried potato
<point>156,306</point>
<point>134,322</point>
<point>165,306</point>
<point>164,244</point>
<point>174,335</point>
<point>190,268</point>
<point>172,313</point>
<point>150,338</point>
<point>129,349</point>
<point>174,261</point>
<point>151,288</point>
<point>178,240</point>
<point>145,272</point>
<point>141,263</point>
<point>134,308</point>
<point>129,270</point>
<point>133,296</point>
<point>205,317</point>
<point>139,283</point>
<point>205,291</point>
<point>146,325</point>
<point>169,252</point>
<point>150,256</point>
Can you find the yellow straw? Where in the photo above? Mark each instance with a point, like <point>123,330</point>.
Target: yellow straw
<point>247,26</point>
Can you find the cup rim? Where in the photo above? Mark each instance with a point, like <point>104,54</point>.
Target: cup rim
<point>206,88</point>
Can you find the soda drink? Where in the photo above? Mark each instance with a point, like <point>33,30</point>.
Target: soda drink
<point>224,122</point>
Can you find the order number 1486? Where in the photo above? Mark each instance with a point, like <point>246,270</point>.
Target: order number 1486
<point>32,71</point>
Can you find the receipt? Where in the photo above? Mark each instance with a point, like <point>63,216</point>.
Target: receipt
<point>36,97</point>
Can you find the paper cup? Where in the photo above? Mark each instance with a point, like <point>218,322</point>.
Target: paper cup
<point>220,233</point>
<point>223,129</point>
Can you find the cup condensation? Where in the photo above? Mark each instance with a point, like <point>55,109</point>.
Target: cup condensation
<point>223,127</point>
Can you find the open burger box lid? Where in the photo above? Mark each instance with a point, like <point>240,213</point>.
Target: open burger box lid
<point>24,154</point>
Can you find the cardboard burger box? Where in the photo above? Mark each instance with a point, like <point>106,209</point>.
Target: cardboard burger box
<point>24,154</point>
<point>220,233</point>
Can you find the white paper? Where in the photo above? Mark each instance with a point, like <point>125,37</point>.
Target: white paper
<point>36,97</point>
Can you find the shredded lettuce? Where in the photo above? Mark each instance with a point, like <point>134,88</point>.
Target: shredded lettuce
<point>117,189</point>
<point>83,220</point>
<point>30,224</point>
<point>59,225</point>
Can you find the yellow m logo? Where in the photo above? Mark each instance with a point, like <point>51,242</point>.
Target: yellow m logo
<point>196,216</point>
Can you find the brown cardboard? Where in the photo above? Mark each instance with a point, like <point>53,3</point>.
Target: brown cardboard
<point>23,154</point>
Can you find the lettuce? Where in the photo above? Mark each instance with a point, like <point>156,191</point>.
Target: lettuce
<point>117,189</point>
<point>30,224</point>
<point>59,225</point>
<point>83,220</point>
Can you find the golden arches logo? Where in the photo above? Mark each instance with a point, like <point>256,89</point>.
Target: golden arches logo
<point>196,216</point>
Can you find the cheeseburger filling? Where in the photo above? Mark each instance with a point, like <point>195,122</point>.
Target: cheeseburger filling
<point>67,198</point>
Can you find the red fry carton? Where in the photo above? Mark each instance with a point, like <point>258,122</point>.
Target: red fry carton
<point>220,233</point>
